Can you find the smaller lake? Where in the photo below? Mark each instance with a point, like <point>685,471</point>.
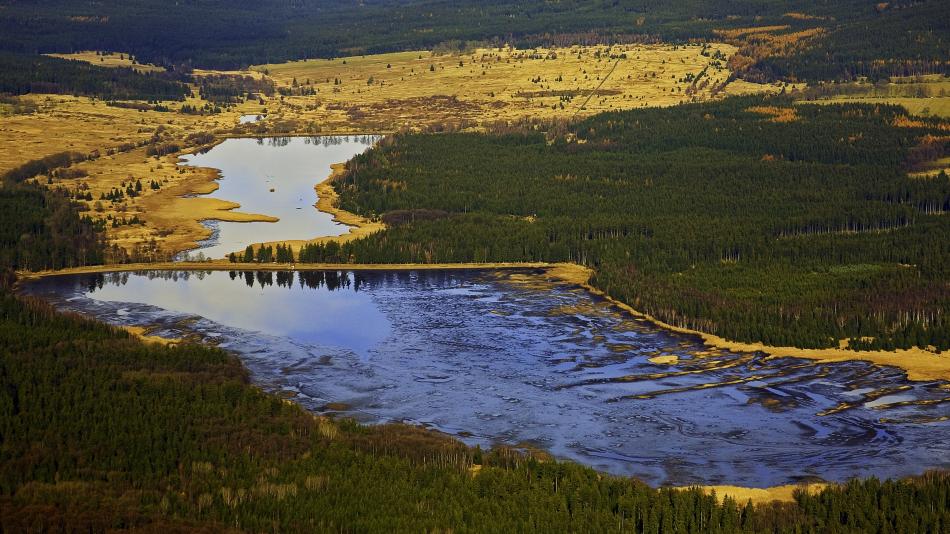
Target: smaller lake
<point>249,119</point>
<point>514,358</point>
<point>274,176</point>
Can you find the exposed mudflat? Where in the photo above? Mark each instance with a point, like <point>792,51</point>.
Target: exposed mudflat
<point>514,358</point>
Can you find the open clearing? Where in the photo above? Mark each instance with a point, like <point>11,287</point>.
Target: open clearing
<point>927,107</point>
<point>409,89</point>
<point>109,59</point>
<point>927,96</point>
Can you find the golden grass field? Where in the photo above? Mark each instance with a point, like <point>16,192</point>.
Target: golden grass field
<point>109,59</point>
<point>927,96</point>
<point>411,89</point>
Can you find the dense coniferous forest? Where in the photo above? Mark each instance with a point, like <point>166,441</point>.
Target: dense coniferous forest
<point>41,229</point>
<point>22,74</point>
<point>715,217</point>
<point>856,37</point>
<point>101,431</point>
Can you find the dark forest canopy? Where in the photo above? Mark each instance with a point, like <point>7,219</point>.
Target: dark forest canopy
<point>102,432</point>
<point>42,229</point>
<point>859,37</point>
<point>22,74</point>
<point>712,216</point>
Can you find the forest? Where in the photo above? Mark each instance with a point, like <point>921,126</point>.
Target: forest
<point>793,232</point>
<point>42,229</point>
<point>22,74</point>
<point>850,37</point>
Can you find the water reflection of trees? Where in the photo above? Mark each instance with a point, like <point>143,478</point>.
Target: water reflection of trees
<point>355,280</point>
<point>96,281</point>
<point>329,280</point>
<point>320,140</point>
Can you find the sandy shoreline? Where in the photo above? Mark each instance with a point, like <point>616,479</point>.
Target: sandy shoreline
<point>177,212</point>
<point>199,209</point>
<point>919,364</point>
<point>327,202</point>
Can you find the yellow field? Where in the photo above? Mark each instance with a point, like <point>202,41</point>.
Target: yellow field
<point>109,59</point>
<point>763,495</point>
<point>413,89</point>
<point>927,107</point>
<point>82,124</point>
<point>927,96</point>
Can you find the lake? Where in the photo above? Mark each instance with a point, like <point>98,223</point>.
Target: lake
<point>274,176</point>
<point>512,357</point>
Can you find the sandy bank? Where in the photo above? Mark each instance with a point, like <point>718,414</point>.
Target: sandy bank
<point>142,333</point>
<point>919,364</point>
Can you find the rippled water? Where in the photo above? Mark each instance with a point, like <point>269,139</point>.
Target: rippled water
<point>513,358</point>
<point>274,176</point>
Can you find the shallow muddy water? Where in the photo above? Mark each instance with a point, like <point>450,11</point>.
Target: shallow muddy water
<point>274,176</point>
<point>513,358</point>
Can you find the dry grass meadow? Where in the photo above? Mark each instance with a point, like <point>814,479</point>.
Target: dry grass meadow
<point>414,89</point>
<point>109,59</point>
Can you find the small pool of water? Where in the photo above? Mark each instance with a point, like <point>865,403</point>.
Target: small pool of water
<point>517,359</point>
<point>249,119</point>
<point>274,176</point>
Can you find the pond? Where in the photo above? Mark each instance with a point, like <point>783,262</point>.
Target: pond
<point>513,357</point>
<point>274,176</point>
<point>250,119</point>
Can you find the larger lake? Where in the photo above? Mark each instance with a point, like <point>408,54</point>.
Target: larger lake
<point>515,358</point>
<point>274,176</point>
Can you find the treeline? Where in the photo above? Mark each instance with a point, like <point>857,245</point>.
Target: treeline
<point>22,73</point>
<point>42,229</point>
<point>103,432</point>
<point>714,216</point>
<point>857,37</point>
<point>58,162</point>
